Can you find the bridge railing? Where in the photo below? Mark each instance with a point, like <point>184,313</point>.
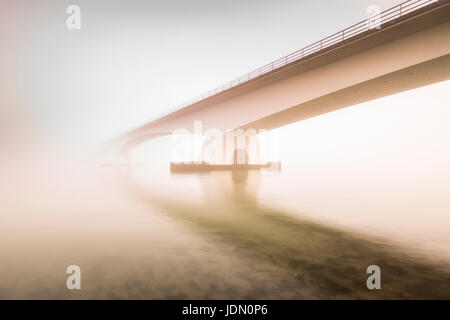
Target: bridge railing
<point>373,22</point>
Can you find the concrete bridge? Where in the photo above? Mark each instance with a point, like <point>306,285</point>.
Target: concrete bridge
<point>402,48</point>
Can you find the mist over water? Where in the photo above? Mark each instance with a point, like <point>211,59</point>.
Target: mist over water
<point>366,185</point>
<point>139,232</point>
<point>342,201</point>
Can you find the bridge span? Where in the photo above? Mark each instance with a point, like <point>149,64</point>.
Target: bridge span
<point>404,47</point>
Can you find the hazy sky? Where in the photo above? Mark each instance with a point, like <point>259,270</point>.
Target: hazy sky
<point>133,60</point>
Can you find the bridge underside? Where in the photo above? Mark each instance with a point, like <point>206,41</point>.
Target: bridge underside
<point>417,76</point>
<point>412,53</point>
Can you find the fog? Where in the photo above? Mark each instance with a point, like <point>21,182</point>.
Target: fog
<point>362,185</point>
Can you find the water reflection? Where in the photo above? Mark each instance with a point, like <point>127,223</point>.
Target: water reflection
<point>208,236</point>
<point>324,262</point>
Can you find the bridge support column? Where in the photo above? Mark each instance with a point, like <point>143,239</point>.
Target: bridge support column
<point>241,147</point>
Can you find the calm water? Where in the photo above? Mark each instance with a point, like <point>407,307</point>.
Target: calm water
<point>137,232</point>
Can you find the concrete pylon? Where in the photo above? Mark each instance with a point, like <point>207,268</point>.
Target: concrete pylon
<point>241,147</point>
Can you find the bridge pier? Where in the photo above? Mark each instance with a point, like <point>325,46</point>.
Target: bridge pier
<point>241,147</point>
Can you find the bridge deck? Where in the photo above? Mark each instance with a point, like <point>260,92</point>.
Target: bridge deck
<point>385,19</point>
